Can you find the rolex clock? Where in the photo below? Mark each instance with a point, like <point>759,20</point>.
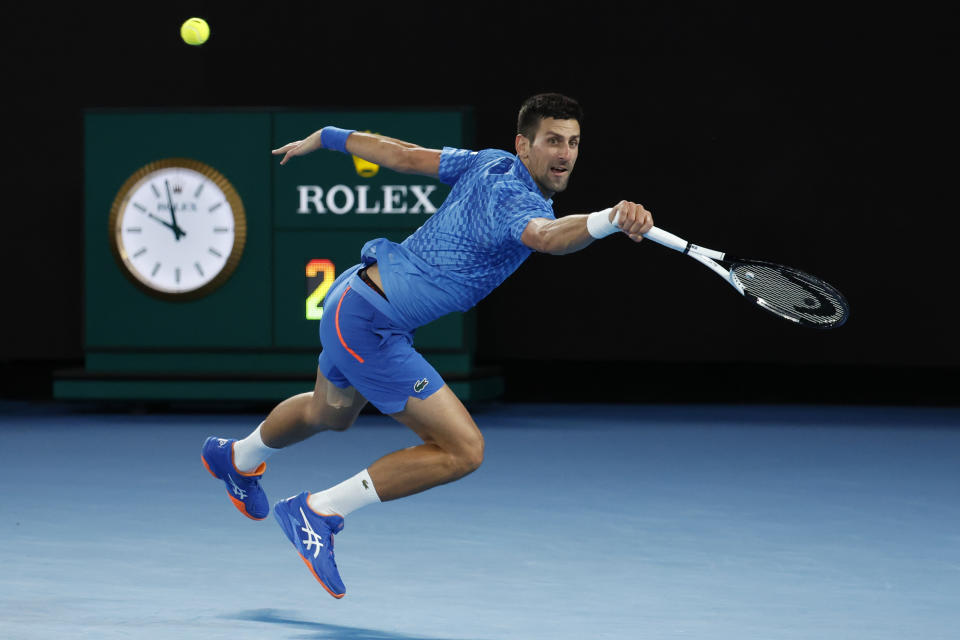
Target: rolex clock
<point>177,229</point>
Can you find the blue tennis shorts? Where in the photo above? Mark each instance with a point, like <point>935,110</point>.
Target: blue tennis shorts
<point>364,347</point>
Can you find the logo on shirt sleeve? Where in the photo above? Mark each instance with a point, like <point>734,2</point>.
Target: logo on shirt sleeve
<point>420,385</point>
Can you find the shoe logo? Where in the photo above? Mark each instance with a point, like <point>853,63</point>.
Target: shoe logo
<point>420,385</point>
<point>312,538</point>
<point>236,488</point>
<point>222,442</point>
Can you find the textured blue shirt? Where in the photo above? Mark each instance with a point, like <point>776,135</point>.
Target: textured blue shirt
<point>469,246</point>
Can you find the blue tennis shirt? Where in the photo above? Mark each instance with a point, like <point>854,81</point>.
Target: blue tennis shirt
<point>469,246</point>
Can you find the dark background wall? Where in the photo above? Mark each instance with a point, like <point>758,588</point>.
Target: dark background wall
<point>821,137</point>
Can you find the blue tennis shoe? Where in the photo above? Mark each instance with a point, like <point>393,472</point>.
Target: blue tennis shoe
<point>243,489</point>
<point>312,536</point>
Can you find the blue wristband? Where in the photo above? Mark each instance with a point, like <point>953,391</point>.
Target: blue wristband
<point>335,138</point>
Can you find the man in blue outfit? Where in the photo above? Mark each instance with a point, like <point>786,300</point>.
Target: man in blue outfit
<point>499,210</point>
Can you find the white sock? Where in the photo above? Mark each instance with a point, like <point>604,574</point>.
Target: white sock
<point>347,496</point>
<point>250,452</point>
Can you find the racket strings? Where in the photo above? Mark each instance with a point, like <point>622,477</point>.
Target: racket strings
<point>792,293</point>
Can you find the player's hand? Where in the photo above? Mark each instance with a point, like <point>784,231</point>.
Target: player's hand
<point>299,147</point>
<point>634,220</point>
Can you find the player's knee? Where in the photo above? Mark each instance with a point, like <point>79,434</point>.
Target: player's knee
<point>470,456</point>
<point>319,417</point>
<point>313,417</point>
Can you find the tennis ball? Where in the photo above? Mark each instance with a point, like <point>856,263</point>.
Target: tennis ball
<point>365,169</point>
<point>195,31</point>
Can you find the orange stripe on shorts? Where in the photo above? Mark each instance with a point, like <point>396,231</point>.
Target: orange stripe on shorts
<point>336,322</point>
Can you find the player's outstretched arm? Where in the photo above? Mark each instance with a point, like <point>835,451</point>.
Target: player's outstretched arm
<point>404,157</point>
<point>574,232</point>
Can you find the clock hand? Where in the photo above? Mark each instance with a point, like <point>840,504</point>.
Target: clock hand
<point>161,221</point>
<point>177,231</point>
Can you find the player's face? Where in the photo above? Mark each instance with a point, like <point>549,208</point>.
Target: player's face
<point>550,156</point>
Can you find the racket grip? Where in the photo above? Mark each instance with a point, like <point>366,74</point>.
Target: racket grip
<point>667,239</point>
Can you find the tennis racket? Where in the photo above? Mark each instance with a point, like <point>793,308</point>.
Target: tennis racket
<point>783,291</point>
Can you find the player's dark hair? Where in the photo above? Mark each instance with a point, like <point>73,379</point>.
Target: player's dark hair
<point>546,105</point>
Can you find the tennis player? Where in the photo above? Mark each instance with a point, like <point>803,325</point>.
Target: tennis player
<point>499,210</point>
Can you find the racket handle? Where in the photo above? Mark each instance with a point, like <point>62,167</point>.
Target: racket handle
<point>667,239</point>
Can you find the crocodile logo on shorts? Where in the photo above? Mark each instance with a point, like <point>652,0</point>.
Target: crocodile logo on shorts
<point>420,385</point>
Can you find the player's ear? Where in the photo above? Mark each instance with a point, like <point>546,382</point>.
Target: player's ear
<point>523,145</point>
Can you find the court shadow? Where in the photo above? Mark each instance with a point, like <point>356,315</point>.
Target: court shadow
<point>320,630</point>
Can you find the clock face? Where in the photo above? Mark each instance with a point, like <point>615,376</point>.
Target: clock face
<point>178,228</point>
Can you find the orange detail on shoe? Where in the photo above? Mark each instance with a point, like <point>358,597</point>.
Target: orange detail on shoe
<point>242,507</point>
<point>256,472</point>
<point>336,321</point>
<point>204,461</point>
<point>326,588</point>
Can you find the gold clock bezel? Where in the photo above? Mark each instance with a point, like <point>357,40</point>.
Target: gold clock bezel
<point>239,227</point>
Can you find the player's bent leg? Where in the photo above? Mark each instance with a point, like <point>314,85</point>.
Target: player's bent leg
<point>328,407</point>
<point>452,447</point>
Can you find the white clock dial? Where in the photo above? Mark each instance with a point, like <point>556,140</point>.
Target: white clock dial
<point>178,228</point>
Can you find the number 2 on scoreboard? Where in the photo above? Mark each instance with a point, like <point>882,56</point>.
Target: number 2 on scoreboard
<point>324,271</point>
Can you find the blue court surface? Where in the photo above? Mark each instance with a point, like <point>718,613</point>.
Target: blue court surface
<point>585,521</point>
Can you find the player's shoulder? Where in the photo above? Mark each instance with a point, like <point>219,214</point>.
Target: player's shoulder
<point>492,157</point>
<point>489,154</point>
<point>494,165</point>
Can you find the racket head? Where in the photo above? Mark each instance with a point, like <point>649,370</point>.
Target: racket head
<point>790,293</point>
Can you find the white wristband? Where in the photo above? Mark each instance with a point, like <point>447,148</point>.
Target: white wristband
<point>599,225</point>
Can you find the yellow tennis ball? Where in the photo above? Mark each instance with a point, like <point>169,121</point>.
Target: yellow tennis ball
<point>195,31</point>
